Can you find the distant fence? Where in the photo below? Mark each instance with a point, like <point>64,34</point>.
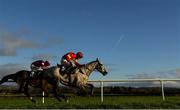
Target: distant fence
<point>101,82</point>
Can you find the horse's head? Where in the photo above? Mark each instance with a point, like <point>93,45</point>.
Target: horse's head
<point>101,68</point>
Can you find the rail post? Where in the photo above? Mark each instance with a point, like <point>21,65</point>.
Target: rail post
<point>101,91</point>
<point>162,89</point>
<point>43,97</point>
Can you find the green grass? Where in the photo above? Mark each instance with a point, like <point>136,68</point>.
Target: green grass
<point>127,102</point>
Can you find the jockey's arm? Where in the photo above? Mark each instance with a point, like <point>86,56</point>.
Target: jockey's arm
<point>77,64</point>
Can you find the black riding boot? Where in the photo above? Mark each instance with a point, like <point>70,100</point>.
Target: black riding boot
<point>69,70</point>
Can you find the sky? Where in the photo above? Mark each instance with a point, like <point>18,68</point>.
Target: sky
<point>132,38</point>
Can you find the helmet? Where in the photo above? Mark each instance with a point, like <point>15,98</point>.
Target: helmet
<point>47,63</point>
<point>79,55</point>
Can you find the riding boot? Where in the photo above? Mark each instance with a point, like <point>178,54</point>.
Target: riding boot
<point>37,74</point>
<point>40,74</point>
<point>69,69</point>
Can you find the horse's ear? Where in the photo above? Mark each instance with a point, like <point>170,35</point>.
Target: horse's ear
<point>97,59</point>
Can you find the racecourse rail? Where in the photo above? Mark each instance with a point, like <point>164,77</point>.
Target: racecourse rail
<point>101,82</point>
<point>134,80</point>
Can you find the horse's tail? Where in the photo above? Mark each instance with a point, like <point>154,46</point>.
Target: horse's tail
<point>10,76</point>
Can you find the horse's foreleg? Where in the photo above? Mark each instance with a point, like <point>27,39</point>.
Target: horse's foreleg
<point>62,95</point>
<point>82,90</point>
<point>26,92</point>
<point>91,87</point>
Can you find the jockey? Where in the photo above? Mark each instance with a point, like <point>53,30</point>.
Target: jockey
<point>38,66</point>
<point>70,60</point>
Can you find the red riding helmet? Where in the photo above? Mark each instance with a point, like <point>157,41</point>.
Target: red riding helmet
<point>46,63</point>
<point>79,55</point>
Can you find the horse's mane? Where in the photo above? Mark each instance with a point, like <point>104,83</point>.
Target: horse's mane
<point>90,63</point>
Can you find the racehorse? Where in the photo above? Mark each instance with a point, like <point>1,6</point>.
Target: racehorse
<point>23,79</point>
<point>79,77</point>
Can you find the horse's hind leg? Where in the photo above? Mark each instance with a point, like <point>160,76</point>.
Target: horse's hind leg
<point>55,93</point>
<point>55,90</point>
<point>63,96</point>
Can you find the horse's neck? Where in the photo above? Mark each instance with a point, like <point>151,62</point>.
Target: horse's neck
<point>89,68</point>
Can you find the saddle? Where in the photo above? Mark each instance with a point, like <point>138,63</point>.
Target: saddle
<point>35,78</point>
<point>68,70</point>
<point>34,82</point>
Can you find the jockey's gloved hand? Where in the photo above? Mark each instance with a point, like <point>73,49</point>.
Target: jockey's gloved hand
<point>81,65</point>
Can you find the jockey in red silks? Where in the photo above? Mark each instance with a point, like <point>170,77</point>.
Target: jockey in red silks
<point>38,66</point>
<point>70,60</point>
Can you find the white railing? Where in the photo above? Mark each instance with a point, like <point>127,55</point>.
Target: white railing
<point>127,80</point>
<point>135,80</point>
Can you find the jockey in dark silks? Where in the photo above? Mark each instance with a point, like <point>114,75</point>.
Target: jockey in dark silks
<point>70,60</point>
<point>38,66</point>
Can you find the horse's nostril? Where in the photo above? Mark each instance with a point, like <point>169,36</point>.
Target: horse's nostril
<point>105,73</point>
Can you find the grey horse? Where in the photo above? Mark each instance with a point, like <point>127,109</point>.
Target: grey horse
<point>79,78</point>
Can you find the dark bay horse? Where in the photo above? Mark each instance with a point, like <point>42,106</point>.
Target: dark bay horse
<point>23,79</point>
<point>44,83</point>
<point>19,77</point>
